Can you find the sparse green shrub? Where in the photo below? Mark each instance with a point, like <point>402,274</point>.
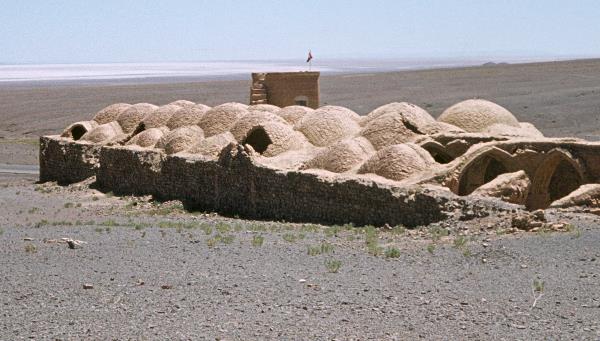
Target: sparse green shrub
<point>392,252</point>
<point>431,248</point>
<point>438,232</point>
<point>289,237</point>
<point>68,205</point>
<point>333,265</point>
<point>257,240</point>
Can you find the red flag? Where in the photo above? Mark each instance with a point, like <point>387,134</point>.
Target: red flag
<point>309,56</point>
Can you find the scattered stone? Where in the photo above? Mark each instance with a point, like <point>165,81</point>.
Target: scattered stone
<point>166,286</point>
<point>27,239</point>
<point>88,286</point>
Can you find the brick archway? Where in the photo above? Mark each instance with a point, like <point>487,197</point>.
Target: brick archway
<point>484,168</point>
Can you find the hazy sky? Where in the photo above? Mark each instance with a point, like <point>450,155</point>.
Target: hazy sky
<point>46,31</point>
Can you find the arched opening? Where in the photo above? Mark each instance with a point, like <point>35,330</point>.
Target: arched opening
<point>564,181</point>
<point>78,131</point>
<point>258,139</point>
<point>483,169</point>
<point>438,153</point>
<point>557,176</point>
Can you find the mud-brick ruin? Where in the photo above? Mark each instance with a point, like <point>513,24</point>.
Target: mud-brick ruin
<point>396,165</point>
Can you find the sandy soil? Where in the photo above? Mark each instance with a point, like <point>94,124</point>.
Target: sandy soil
<point>157,272</point>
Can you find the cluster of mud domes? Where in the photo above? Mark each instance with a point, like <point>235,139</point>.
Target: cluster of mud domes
<point>391,141</point>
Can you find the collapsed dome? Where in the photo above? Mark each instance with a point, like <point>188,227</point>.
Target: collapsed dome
<point>294,113</point>
<point>264,107</point>
<point>398,162</point>
<point>187,116</point>
<point>327,125</point>
<point>183,103</point>
<point>412,114</point>
<point>76,130</point>
<point>148,138</point>
<point>160,116</point>
<point>110,113</point>
<point>212,146</point>
<point>342,156</point>
<point>475,115</point>
<point>389,129</point>
<point>221,118</point>
<point>103,133</point>
<point>180,139</point>
<point>252,119</point>
<point>130,118</point>
<point>273,138</point>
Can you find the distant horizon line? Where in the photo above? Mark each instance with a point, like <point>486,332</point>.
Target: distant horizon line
<point>491,58</point>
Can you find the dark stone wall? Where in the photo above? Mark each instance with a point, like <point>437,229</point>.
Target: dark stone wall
<point>65,161</point>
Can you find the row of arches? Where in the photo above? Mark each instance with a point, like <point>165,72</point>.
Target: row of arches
<point>552,177</point>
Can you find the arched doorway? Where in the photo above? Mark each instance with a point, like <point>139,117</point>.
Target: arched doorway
<point>483,169</point>
<point>437,151</point>
<point>557,176</point>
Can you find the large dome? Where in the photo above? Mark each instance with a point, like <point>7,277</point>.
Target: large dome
<point>221,118</point>
<point>342,156</point>
<point>328,125</point>
<point>255,117</point>
<point>294,113</point>
<point>475,115</point>
<point>110,113</point>
<point>411,113</point>
<point>160,116</point>
<point>398,162</point>
<point>130,118</point>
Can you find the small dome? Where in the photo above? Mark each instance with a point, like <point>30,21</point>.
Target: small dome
<point>221,118</point>
<point>244,124</point>
<point>130,118</point>
<point>524,130</point>
<point>342,156</point>
<point>264,107</point>
<point>76,130</point>
<point>398,162</point>
<point>389,129</point>
<point>183,103</point>
<point>110,113</point>
<point>410,113</point>
<point>180,139</point>
<point>475,115</point>
<point>328,125</point>
<point>186,116</point>
<point>272,138</point>
<point>294,113</point>
<point>160,116</point>
<point>212,146</point>
<point>103,133</point>
<point>148,138</point>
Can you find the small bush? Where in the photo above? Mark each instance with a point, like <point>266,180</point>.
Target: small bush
<point>289,237</point>
<point>257,241</point>
<point>30,248</point>
<point>68,205</point>
<point>392,252</point>
<point>460,242</point>
<point>431,248</point>
<point>333,265</point>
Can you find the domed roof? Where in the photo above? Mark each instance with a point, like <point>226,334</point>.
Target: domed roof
<point>398,162</point>
<point>294,113</point>
<point>103,133</point>
<point>212,146</point>
<point>180,139</point>
<point>264,107</point>
<point>342,156</point>
<point>253,118</point>
<point>221,118</point>
<point>160,116</point>
<point>411,113</point>
<point>389,129</point>
<point>475,115</point>
<point>186,116</point>
<point>272,138</point>
<point>148,138</point>
<point>76,130</point>
<point>130,118</point>
<point>110,113</point>
<point>183,103</point>
<point>328,125</point>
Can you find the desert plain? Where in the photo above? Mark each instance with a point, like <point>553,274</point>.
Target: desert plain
<point>142,269</point>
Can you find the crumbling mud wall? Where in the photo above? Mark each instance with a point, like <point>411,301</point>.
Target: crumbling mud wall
<point>397,165</point>
<point>234,184</point>
<point>65,161</point>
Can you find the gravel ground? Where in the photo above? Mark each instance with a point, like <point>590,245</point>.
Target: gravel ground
<point>158,272</point>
